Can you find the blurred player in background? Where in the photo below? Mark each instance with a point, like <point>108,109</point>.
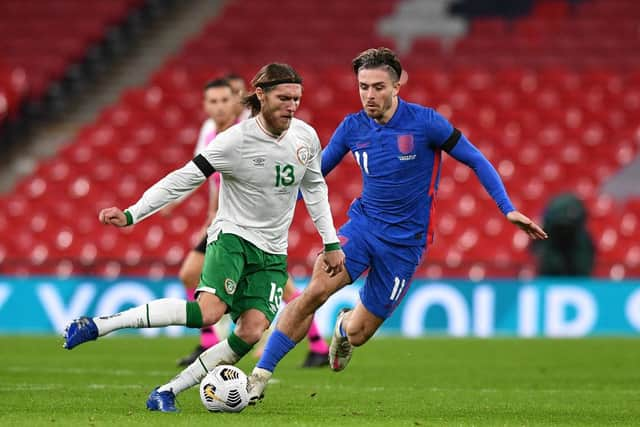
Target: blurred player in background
<point>223,105</point>
<point>264,161</point>
<point>239,88</point>
<point>398,147</point>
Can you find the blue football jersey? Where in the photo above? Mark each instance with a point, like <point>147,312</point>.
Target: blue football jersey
<point>400,165</point>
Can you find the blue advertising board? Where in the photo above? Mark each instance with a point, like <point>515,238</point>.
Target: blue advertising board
<point>537,308</point>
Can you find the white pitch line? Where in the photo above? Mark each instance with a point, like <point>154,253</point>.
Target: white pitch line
<point>83,371</point>
<point>45,387</point>
<point>467,390</point>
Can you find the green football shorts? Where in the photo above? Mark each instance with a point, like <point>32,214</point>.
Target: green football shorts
<point>243,276</point>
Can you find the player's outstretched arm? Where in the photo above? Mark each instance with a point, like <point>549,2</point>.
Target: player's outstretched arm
<point>527,225</point>
<point>113,216</point>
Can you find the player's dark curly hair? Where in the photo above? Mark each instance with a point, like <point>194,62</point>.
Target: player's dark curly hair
<point>267,78</point>
<point>381,57</point>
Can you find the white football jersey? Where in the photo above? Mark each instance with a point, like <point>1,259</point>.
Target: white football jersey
<point>261,176</point>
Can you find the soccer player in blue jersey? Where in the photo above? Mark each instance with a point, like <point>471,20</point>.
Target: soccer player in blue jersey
<point>398,147</point>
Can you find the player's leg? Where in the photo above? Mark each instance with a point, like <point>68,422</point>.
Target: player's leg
<point>392,268</point>
<point>295,320</point>
<point>249,327</point>
<point>292,326</point>
<point>166,311</point>
<point>318,349</point>
<point>157,313</point>
<point>253,302</point>
<point>190,276</point>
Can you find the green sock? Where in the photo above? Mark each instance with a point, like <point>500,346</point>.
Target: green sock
<point>194,315</point>
<point>238,345</point>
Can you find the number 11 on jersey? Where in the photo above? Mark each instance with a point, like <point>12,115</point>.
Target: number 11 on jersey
<point>365,161</point>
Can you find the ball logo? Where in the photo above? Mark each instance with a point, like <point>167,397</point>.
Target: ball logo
<point>229,374</point>
<point>209,393</point>
<point>405,143</point>
<point>303,155</point>
<point>230,286</point>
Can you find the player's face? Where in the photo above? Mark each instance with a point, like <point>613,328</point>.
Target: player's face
<point>377,93</point>
<point>279,105</point>
<point>219,104</point>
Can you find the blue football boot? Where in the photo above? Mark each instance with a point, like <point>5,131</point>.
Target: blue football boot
<point>79,331</point>
<point>164,401</point>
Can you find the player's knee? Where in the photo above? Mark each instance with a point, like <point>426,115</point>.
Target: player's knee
<point>212,310</point>
<point>250,335</point>
<point>251,326</point>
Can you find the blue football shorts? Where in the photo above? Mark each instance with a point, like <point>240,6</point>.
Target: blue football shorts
<point>391,267</point>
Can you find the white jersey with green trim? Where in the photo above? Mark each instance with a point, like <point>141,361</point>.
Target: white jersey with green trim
<point>261,176</point>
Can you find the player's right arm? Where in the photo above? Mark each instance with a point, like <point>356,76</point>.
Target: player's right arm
<point>336,149</point>
<point>168,189</point>
<point>172,187</point>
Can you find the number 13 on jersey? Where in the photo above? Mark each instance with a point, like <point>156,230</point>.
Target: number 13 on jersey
<point>284,175</point>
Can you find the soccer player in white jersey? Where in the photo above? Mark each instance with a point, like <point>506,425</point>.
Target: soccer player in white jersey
<point>222,102</point>
<point>264,162</point>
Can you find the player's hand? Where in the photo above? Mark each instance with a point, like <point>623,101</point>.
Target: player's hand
<point>112,216</point>
<point>528,226</point>
<point>333,262</point>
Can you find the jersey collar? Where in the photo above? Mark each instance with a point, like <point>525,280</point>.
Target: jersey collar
<point>394,118</point>
<point>264,130</point>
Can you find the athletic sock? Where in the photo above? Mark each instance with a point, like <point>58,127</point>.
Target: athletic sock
<point>161,312</point>
<point>220,354</point>
<point>277,347</point>
<point>316,343</point>
<point>208,337</point>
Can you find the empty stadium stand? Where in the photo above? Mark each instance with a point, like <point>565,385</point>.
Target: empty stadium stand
<point>552,99</point>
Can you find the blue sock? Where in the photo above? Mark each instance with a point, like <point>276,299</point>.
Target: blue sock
<point>277,347</point>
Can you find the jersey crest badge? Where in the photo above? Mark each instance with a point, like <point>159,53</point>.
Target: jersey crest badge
<point>405,144</point>
<point>303,155</point>
<point>230,286</point>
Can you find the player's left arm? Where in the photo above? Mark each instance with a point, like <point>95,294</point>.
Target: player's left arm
<point>464,151</point>
<point>452,141</point>
<point>316,198</point>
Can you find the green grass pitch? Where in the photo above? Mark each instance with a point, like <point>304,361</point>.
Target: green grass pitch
<point>390,382</point>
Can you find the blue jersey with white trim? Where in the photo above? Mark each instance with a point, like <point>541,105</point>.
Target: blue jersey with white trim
<point>400,166</point>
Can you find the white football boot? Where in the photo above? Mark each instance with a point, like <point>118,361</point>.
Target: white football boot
<point>257,383</point>
<point>340,349</point>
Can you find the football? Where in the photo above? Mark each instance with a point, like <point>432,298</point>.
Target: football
<point>224,389</point>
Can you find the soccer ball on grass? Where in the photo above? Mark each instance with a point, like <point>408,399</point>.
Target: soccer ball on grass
<point>224,389</point>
